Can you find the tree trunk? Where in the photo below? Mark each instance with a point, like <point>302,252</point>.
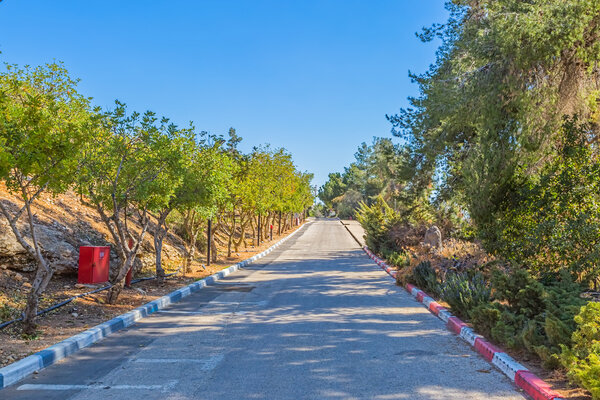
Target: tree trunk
<point>265,229</point>
<point>158,243</point>
<point>279,226</point>
<point>192,229</point>
<point>43,271</point>
<point>127,254</point>
<point>159,236</point>
<point>40,282</point>
<point>119,281</point>
<point>190,255</point>
<point>237,243</point>
<point>258,233</point>
<point>213,248</point>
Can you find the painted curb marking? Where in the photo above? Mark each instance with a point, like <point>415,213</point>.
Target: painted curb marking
<point>533,386</point>
<point>506,364</point>
<point>19,370</point>
<point>486,349</point>
<point>455,325</point>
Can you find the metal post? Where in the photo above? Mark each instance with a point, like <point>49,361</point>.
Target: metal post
<point>208,242</point>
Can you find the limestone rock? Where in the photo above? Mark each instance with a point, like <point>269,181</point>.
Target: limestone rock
<point>60,254</point>
<point>9,246</point>
<point>433,238</point>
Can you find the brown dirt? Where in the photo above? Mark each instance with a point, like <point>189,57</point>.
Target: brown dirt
<point>86,312</point>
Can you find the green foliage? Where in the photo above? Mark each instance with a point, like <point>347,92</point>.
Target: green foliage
<point>319,210</point>
<point>522,293</point>
<point>497,92</point>
<point>485,318</point>
<point>377,220</point>
<point>486,131</point>
<point>347,204</point>
<point>379,170</point>
<point>333,188</point>
<point>425,277</point>
<point>465,291</point>
<point>397,259</point>
<point>582,360</point>
<point>7,312</point>
<point>530,315</point>
<point>44,123</point>
<point>552,222</point>
<point>44,126</point>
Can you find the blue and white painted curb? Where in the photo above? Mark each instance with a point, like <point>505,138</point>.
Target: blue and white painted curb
<point>19,370</point>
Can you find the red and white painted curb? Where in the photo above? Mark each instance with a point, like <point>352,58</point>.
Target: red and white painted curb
<point>536,388</point>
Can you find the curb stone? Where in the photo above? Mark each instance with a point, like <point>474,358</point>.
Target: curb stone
<point>533,386</point>
<point>19,370</point>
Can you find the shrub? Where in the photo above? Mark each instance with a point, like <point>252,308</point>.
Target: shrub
<point>485,317</point>
<point>551,221</point>
<point>530,315</point>
<point>520,290</point>
<point>7,312</point>
<point>425,277</point>
<point>397,259</point>
<point>376,221</point>
<point>465,291</point>
<point>582,360</point>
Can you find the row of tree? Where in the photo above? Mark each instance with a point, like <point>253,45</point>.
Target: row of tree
<point>136,170</point>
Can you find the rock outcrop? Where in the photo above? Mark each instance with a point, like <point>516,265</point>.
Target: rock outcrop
<point>433,238</point>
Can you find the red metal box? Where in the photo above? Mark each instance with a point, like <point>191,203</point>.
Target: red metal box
<point>93,264</point>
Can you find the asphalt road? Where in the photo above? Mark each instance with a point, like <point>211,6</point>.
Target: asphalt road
<point>316,319</point>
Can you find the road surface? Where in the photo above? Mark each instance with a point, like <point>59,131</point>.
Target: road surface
<point>316,319</point>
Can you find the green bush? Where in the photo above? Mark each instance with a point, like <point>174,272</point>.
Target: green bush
<point>524,295</point>
<point>376,220</point>
<point>485,317</point>
<point>425,277</point>
<point>530,315</point>
<point>551,222</point>
<point>7,312</point>
<point>582,360</point>
<point>465,291</point>
<point>399,260</point>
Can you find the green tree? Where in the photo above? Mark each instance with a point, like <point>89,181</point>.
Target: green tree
<point>206,182</point>
<point>178,147</point>
<point>125,176</point>
<point>491,105</point>
<point>552,221</point>
<point>44,123</point>
<point>333,188</point>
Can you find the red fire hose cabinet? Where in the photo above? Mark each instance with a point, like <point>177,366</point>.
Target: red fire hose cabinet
<point>93,264</point>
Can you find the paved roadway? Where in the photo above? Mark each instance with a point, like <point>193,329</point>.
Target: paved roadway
<point>316,319</point>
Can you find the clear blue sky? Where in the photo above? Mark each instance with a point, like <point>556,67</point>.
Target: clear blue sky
<point>314,76</point>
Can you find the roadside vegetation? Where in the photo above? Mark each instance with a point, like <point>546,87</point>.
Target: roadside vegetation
<point>500,152</point>
<point>141,173</point>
